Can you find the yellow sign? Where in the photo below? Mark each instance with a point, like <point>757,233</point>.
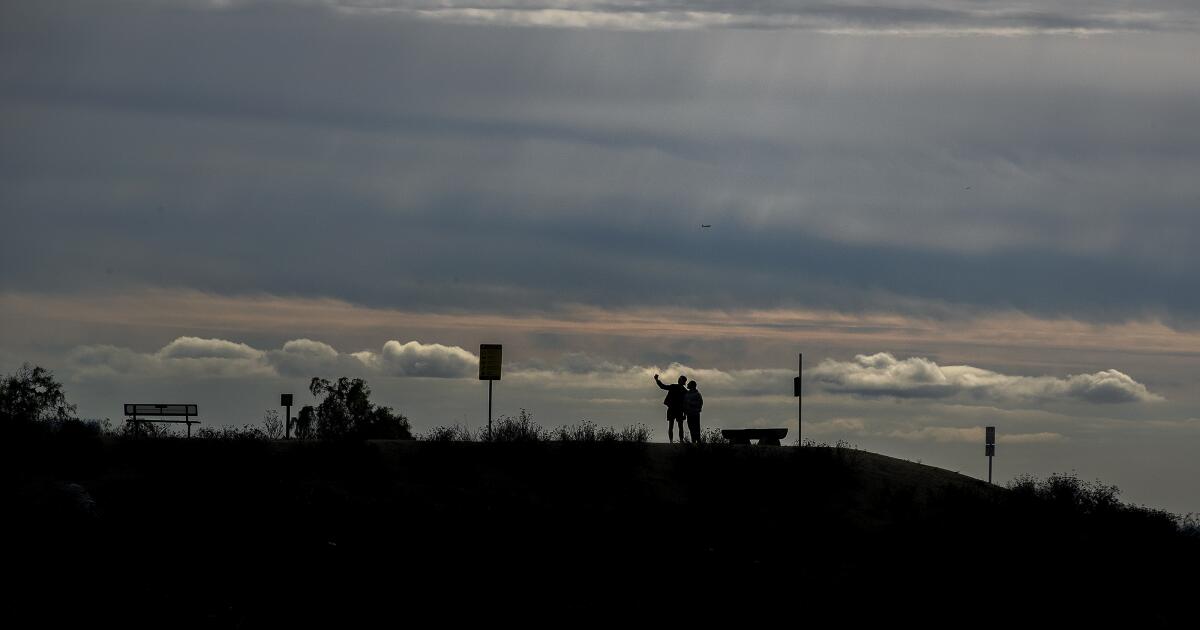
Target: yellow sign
<point>489,361</point>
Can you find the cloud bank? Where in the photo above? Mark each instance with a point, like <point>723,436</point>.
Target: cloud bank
<point>919,17</point>
<point>194,357</point>
<point>845,180</point>
<point>882,374</point>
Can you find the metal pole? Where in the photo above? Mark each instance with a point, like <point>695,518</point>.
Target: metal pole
<point>287,424</point>
<point>990,468</point>
<point>800,401</point>
<point>489,410</point>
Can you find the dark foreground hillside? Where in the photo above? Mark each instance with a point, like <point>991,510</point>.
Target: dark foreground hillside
<point>173,533</point>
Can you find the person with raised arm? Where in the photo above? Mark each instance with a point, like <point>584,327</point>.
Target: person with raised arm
<point>676,406</point>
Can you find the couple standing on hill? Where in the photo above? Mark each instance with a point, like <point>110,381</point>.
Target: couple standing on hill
<point>682,402</point>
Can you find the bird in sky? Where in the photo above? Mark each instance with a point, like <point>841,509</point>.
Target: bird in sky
<point>705,225</point>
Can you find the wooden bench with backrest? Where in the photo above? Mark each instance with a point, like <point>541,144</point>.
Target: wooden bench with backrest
<point>158,412</point>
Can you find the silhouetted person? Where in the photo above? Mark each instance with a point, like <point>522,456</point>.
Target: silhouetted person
<point>693,403</point>
<point>676,406</point>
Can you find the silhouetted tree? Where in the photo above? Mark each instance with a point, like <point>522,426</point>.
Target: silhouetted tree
<point>306,423</point>
<point>31,394</point>
<point>347,412</point>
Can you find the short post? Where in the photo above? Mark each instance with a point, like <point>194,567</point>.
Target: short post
<point>989,448</point>
<point>490,360</point>
<point>285,400</point>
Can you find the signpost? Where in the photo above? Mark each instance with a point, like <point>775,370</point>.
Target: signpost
<point>989,449</point>
<point>796,393</point>
<point>285,400</point>
<point>490,360</point>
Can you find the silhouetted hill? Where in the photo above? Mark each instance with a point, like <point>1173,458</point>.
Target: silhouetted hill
<point>253,533</point>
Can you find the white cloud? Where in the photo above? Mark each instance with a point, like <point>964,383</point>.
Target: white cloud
<point>189,357</point>
<point>197,348</point>
<point>308,358</point>
<point>882,374</point>
<point>417,359</point>
<point>196,357</point>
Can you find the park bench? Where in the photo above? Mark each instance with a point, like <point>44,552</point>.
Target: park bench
<point>765,437</point>
<point>187,412</point>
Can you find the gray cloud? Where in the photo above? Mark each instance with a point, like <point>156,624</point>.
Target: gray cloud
<point>536,168</point>
<point>882,374</point>
<point>972,435</point>
<point>305,358</point>
<point>938,17</point>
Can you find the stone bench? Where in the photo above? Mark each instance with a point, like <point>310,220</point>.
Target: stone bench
<point>765,437</point>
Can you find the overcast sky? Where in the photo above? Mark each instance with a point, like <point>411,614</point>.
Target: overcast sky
<point>963,213</point>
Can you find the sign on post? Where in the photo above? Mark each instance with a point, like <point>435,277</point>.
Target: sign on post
<point>285,401</point>
<point>490,358</point>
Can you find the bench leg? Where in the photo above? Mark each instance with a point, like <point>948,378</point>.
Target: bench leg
<point>768,442</point>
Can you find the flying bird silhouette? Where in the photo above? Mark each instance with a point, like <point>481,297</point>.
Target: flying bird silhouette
<point>705,225</point>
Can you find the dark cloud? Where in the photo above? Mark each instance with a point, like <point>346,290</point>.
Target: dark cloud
<point>295,150</point>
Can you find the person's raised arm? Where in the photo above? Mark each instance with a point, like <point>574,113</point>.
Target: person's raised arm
<point>660,383</point>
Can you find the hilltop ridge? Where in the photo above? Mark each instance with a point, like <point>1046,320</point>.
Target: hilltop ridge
<point>246,524</point>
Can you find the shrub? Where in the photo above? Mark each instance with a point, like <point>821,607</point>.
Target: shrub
<point>709,435</point>
<point>588,432</point>
<point>272,426</point>
<point>519,429</point>
<point>246,432</point>
<point>144,429</point>
<point>453,433</point>
<point>638,433</point>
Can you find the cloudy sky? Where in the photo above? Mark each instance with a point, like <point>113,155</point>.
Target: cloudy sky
<point>963,213</point>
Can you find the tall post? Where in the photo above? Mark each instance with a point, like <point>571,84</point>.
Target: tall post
<point>989,447</point>
<point>799,400</point>
<point>287,424</point>
<point>490,410</point>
